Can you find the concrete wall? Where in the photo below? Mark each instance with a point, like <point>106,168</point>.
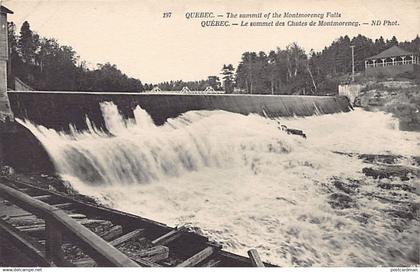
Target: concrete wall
<point>351,91</point>
<point>22,86</point>
<point>5,110</point>
<point>4,52</point>
<point>4,102</point>
<point>391,70</point>
<point>22,151</point>
<point>59,109</point>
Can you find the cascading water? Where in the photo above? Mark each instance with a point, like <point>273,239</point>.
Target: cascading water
<point>244,183</point>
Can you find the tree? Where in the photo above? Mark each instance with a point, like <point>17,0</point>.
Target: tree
<point>46,65</point>
<point>245,74</point>
<point>362,49</point>
<point>379,45</point>
<point>27,44</point>
<point>228,78</point>
<point>15,62</point>
<point>214,82</point>
<point>390,43</point>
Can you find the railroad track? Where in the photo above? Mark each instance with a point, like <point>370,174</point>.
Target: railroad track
<point>53,229</point>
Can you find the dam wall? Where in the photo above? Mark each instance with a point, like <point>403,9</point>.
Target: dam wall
<point>57,110</point>
<point>21,150</point>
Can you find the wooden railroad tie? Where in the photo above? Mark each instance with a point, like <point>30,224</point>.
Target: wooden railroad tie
<point>25,243</point>
<point>153,254</point>
<point>112,233</point>
<point>198,258</point>
<point>63,205</point>
<point>255,258</point>
<point>211,263</point>
<point>168,237</point>
<point>42,197</point>
<point>126,237</point>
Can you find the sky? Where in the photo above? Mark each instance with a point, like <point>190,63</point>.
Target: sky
<point>134,35</point>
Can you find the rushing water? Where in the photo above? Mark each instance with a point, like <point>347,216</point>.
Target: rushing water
<point>246,184</point>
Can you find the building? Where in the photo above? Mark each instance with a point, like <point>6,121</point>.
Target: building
<point>391,62</point>
<point>5,111</point>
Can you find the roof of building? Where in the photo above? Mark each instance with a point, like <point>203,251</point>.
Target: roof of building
<point>3,9</point>
<point>394,51</point>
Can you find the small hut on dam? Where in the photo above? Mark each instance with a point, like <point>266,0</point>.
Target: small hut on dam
<point>391,62</point>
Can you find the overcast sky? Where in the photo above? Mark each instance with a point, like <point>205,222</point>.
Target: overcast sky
<point>133,35</point>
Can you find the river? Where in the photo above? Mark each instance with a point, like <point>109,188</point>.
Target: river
<point>245,183</point>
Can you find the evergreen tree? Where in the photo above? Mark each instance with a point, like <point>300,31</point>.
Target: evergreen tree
<point>46,65</point>
<point>228,78</point>
<point>393,41</point>
<point>27,44</point>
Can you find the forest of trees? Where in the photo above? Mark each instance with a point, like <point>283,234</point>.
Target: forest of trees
<point>293,71</point>
<point>44,64</point>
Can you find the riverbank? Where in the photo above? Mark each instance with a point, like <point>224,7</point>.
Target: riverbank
<point>401,98</point>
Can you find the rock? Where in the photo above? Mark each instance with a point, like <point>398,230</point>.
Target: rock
<point>391,171</point>
<point>375,158</point>
<point>408,212</point>
<point>362,218</point>
<point>344,187</point>
<point>293,131</point>
<point>396,186</point>
<point>7,170</point>
<point>296,132</point>
<point>413,255</point>
<point>357,102</point>
<point>341,201</point>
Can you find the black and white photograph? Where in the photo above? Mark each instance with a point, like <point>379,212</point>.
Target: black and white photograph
<point>180,133</point>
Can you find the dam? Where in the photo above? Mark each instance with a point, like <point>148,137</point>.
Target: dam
<point>57,110</point>
<point>64,110</point>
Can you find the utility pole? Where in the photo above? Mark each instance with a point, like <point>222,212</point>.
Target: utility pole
<point>352,63</point>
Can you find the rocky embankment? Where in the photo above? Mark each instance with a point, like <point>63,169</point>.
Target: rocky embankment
<point>401,98</point>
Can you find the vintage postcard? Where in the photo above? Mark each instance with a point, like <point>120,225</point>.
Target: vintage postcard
<point>272,133</point>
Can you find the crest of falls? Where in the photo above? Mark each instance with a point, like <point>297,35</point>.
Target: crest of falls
<point>137,151</point>
<point>245,183</point>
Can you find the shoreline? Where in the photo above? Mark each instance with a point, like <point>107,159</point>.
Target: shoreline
<point>401,98</point>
